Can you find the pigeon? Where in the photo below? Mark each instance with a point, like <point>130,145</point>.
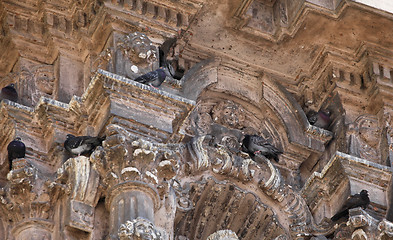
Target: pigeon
<point>82,145</point>
<point>16,149</point>
<point>254,144</point>
<point>9,92</point>
<point>358,200</point>
<point>172,66</point>
<point>153,78</point>
<point>320,119</point>
<point>164,49</point>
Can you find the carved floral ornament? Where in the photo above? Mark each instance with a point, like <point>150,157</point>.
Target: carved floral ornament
<point>139,229</point>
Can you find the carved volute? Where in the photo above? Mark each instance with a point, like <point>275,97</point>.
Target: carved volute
<point>136,175</point>
<point>27,201</point>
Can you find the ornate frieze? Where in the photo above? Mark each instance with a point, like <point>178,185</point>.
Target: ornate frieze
<point>161,15</point>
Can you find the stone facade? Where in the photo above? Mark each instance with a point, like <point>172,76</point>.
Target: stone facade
<point>172,166</point>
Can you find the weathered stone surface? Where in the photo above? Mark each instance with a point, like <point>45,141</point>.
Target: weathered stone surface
<point>172,165</point>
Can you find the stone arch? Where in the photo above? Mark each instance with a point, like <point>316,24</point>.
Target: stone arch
<point>270,108</point>
<point>225,206</point>
<point>222,110</point>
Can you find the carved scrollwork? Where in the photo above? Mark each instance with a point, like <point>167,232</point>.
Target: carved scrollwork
<point>220,159</point>
<point>139,229</point>
<point>125,157</point>
<point>386,227</point>
<point>183,201</point>
<point>26,196</point>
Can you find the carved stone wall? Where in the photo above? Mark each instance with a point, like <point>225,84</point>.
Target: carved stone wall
<point>172,165</point>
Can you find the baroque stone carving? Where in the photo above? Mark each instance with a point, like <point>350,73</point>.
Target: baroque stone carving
<point>136,175</point>
<point>80,182</point>
<point>139,229</point>
<point>132,56</point>
<point>228,114</point>
<point>27,202</point>
<point>365,138</point>
<point>223,235</point>
<point>34,82</point>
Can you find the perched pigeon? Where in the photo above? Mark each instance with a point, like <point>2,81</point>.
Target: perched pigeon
<point>320,119</point>
<point>82,144</point>
<point>358,200</point>
<point>254,144</point>
<point>153,78</point>
<point>16,149</point>
<point>9,92</point>
<point>174,70</point>
<point>164,49</point>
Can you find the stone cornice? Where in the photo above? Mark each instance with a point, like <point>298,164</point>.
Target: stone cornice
<point>345,169</point>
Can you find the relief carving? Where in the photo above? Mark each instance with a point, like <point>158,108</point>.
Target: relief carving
<point>139,229</point>
<point>137,175</point>
<point>133,56</point>
<point>33,82</point>
<point>229,114</point>
<point>44,79</point>
<point>364,136</point>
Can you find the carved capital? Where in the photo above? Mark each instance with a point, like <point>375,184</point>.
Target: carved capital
<point>26,195</point>
<point>125,158</point>
<point>386,227</point>
<point>359,218</point>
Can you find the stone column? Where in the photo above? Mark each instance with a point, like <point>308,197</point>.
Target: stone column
<point>135,174</point>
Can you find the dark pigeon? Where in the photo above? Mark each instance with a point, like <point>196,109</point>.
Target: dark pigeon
<point>153,78</point>
<point>16,149</point>
<point>320,119</point>
<point>172,66</point>
<point>82,145</point>
<point>9,92</point>
<point>358,200</point>
<point>254,144</point>
<point>164,50</point>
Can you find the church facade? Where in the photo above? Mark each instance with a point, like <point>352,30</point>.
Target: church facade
<point>173,165</point>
